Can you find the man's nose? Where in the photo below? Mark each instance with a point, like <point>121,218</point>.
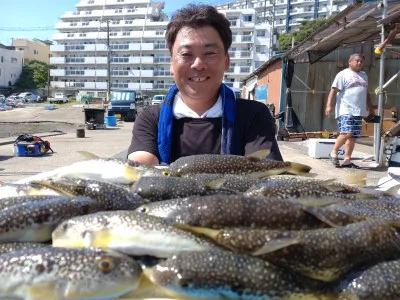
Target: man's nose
<point>199,62</point>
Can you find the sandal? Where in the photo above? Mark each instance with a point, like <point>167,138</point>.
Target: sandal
<point>351,166</point>
<point>334,160</point>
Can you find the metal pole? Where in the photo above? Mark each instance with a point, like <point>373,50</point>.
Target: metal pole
<point>108,62</point>
<point>377,127</point>
<point>271,42</point>
<point>140,57</point>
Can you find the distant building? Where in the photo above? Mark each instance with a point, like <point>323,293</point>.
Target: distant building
<point>139,58</point>
<point>33,50</point>
<point>10,65</point>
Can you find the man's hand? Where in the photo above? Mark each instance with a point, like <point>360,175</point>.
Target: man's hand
<point>328,110</point>
<point>330,102</point>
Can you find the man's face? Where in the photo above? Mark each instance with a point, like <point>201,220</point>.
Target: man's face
<point>356,64</point>
<point>198,62</point>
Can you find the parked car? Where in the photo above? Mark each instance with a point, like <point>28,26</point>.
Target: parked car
<point>28,97</point>
<point>14,101</point>
<point>157,99</point>
<point>2,98</point>
<point>59,97</point>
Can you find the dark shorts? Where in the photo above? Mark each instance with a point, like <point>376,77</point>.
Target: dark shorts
<point>350,124</point>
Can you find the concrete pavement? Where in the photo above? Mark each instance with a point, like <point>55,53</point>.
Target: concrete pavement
<point>114,142</point>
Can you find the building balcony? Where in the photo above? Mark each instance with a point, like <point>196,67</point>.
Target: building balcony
<point>296,12</point>
<point>302,2</point>
<point>78,85</point>
<point>57,72</point>
<point>136,86</point>
<point>94,3</point>
<point>132,73</point>
<point>106,13</point>
<point>162,73</point>
<point>78,48</point>
<point>240,54</point>
<point>55,60</point>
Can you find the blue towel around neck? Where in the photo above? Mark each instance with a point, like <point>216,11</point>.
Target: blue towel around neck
<point>166,120</point>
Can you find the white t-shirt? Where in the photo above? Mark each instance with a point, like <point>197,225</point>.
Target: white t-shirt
<point>352,96</point>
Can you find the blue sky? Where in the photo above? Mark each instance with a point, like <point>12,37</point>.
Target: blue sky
<point>38,14</point>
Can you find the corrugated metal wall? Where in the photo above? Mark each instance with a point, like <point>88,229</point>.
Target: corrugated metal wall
<point>310,108</point>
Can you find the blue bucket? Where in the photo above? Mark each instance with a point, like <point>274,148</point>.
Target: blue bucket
<point>111,120</point>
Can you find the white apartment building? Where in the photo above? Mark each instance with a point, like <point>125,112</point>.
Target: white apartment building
<point>139,58</point>
<point>10,66</point>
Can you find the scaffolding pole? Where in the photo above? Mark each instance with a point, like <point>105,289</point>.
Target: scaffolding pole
<point>378,142</point>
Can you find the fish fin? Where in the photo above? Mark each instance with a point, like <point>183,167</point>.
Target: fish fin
<point>258,155</point>
<point>211,233</point>
<point>48,184</point>
<point>100,238</point>
<point>330,186</point>
<point>215,184</point>
<point>358,179</point>
<point>88,155</point>
<point>299,169</point>
<point>132,173</point>
<point>275,245</point>
<point>146,289</point>
<point>319,215</point>
<point>393,191</point>
<point>52,290</point>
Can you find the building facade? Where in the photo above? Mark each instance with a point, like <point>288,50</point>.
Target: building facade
<point>10,66</point>
<point>123,41</point>
<point>33,50</point>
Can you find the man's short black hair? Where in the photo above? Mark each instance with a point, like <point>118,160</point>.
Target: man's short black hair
<point>197,16</point>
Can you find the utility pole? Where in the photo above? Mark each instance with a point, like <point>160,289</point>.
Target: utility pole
<point>108,62</point>
<point>271,41</point>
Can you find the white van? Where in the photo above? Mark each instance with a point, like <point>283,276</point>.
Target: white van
<point>157,99</point>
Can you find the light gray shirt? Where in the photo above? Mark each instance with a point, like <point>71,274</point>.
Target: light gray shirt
<point>352,96</point>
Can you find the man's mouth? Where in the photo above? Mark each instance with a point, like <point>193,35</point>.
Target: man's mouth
<point>197,79</point>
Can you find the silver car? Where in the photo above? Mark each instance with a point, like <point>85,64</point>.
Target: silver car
<point>14,100</point>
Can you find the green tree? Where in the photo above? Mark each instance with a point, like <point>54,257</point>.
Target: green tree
<point>33,76</point>
<point>306,28</point>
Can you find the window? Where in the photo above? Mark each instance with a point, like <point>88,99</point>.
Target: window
<point>73,24</point>
<point>2,59</point>
<point>120,0</point>
<point>82,34</point>
<point>126,33</point>
<point>129,22</point>
<point>118,11</point>
<point>85,23</point>
<point>14,60</point>
<point>261,33</point>
<point>115,22</point>
<point>90,2</point>
<point>158,32</point>
<point>70,35</point>
<point>88,12</point>
<point>248,18</point>
<point>113,34</point>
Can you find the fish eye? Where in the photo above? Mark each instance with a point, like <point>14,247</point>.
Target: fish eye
<point>65,227</point>
<point>185,282</point>
<point>105,265</point>
<point>166,173</point>
<point>143,209</point>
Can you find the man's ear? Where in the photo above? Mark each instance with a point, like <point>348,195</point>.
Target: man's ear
<point>227,61</point>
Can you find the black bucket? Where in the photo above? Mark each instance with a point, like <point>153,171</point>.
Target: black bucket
<point>80,132</point>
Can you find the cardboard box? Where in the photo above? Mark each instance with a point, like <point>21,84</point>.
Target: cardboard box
<point>320,148</point>
<point>367,129</point>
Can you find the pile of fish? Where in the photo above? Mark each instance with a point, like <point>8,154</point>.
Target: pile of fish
<point>204,227</point>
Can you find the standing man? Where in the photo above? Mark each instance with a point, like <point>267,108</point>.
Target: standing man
<point>350,90</point>
<point>200,114</point>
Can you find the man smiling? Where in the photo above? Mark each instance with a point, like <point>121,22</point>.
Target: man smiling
<point>200,114</point>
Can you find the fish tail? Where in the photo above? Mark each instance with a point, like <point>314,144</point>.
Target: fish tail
<point>298,168</point>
